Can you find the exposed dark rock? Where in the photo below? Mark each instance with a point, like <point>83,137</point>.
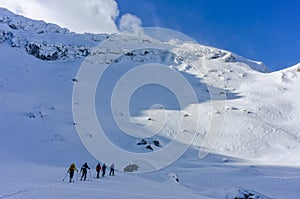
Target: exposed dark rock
<point>149,147</point>
<point>142,142</point>
<point>156,143</point>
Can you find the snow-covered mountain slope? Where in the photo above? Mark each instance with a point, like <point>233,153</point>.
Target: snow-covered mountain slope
<point>39,70</point>
<point>44,40</point>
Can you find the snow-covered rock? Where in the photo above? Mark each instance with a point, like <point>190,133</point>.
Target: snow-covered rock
<point>44,40</point>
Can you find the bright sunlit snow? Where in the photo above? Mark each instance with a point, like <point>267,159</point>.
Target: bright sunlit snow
<point>255,156</point>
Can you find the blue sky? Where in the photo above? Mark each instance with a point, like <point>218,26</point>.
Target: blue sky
<point>263,30</point>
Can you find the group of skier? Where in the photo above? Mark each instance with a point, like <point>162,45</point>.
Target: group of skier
<point>85,167</point>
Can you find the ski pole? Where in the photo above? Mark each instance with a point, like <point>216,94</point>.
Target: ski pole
<point>65,176</point>
<point>76,176</point>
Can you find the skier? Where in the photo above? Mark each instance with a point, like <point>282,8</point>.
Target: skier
<point>84,171</point>
<point>112,170</point>
<point>98,168</point>
<point>71,171</point>
<point>103,170</point>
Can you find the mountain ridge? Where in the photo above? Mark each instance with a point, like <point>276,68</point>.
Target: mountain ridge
<point>257,111</point>
<point>42,40</point>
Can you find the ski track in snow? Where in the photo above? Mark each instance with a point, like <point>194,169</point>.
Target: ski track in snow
<point>13,194</point>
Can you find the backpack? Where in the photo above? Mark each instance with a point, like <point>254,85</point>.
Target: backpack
<point>72,167</point>
<point>98,167</point>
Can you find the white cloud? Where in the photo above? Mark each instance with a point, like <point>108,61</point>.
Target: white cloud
<point>94,16</point>
<point>129,22</point>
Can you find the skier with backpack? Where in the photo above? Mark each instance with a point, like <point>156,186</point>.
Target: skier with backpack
<point>71,171</point>
<point>103,170</point>
<point>84,169</point>
<point>112,170</point>
<point>98,169</point>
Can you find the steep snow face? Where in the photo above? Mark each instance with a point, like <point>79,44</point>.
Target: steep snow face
<point>260,116</point>
<point>265,119</point>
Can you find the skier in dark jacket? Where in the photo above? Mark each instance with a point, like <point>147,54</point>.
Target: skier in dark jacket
<point>103,170</point>
<point>84,169</point>
<point>98,169</point>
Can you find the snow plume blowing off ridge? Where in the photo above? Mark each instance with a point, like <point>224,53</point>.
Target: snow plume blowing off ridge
<point>93,16</point>
<point>129,21</point>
